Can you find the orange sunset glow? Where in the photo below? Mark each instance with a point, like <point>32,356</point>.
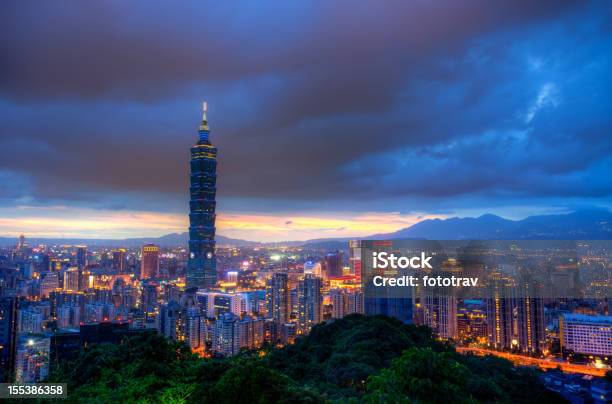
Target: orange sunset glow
<point>66,222</point>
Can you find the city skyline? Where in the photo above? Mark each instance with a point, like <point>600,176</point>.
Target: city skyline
<point>94,145</point>
<point>385,202</point>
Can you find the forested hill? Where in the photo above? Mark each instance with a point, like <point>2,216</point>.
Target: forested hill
<point>358,358</point>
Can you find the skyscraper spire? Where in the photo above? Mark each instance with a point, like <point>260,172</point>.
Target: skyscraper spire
<point>204,125</point>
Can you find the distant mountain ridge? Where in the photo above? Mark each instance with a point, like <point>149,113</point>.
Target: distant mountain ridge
<point>584,224</point>
<point>168,240</point>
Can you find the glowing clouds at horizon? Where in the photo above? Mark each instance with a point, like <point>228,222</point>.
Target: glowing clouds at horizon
<point>69,222</point>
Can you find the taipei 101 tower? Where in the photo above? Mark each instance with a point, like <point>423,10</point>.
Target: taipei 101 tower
<point>202,267</point>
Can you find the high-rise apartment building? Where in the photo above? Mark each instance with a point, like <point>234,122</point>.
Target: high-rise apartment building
<point>310,301</point>
<point>345,302</point>
<point>440,312</point>
<point>277,296</point>
<point>515,314</point>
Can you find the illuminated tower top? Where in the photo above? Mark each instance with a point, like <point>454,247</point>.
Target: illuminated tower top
<point>204,129</point>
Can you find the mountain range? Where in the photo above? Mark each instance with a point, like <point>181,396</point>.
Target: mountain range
<point>583,224</point>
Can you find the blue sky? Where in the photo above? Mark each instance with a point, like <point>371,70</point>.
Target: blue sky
<point>331,118</point>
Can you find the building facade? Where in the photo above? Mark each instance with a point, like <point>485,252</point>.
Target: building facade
<point>310,302</point>
<point>587,335</point>
<point>277,297</point>
<point>149,264</point>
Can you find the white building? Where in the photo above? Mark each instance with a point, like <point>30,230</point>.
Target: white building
<point>195,328</point>
<point>590,335</point>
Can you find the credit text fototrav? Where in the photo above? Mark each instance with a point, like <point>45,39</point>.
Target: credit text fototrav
<point>383,260</point>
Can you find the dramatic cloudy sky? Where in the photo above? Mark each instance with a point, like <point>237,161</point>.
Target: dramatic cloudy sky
<point>332,118</point>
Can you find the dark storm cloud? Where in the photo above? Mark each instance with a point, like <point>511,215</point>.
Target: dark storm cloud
<point>321,102</point>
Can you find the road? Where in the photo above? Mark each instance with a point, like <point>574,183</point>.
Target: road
<point>540,363</point>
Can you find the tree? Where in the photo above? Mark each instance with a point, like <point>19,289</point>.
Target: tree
<point>420,374</point>
<point>251,381</point>
<point>338,357</point>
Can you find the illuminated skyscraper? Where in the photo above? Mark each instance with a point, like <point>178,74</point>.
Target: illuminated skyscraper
<point>515,314</point>
<point>81,257</point>
<point>72,280</point>
<point>202,270</point>
<point>149,265</point>
<point>310,301</point>
<point>355,258</point>
<point>333,264</point>
<point>500,312</point>
<point>530,318</point>
<point>277,296</point>
<point>119,259</point>
<point>148,299</point>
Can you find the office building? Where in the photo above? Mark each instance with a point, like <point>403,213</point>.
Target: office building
<point>333,264</point>
<point>72,280</point>
<point>81,257</point>
<point>202,265</point>
<point>119,260</point>
<point>149,262</point>
<point>355,258</point>
<point>586,335</point>
<point>148,299</point>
